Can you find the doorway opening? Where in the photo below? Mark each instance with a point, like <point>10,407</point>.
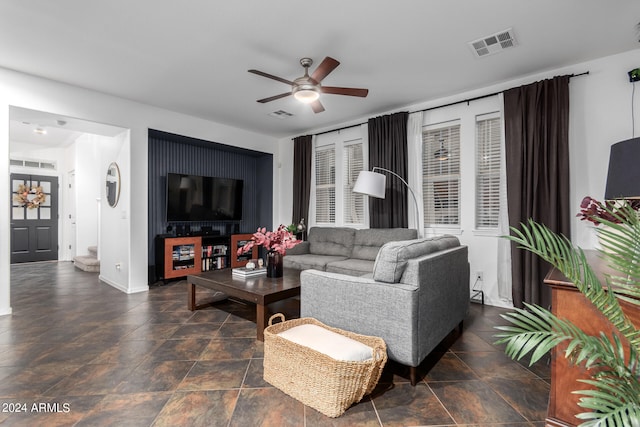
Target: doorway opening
<point>57,183</point>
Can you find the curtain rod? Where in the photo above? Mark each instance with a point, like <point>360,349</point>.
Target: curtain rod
<point>441,106</point>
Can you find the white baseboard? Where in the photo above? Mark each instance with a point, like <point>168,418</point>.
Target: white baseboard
<point>121,288</point>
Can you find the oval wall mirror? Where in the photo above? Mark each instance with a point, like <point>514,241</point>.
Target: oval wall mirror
<point>113,184</point>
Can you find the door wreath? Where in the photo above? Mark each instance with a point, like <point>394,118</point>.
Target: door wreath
<point>25,196</point>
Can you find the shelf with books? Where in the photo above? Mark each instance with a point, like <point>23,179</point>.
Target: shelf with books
<point>214,256</point>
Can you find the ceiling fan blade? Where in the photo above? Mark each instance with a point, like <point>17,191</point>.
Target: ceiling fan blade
<point>273,98</point>
<point>271,76</point>
<point>327,65</point>
<point>349,91</point>
<point>317,107</point>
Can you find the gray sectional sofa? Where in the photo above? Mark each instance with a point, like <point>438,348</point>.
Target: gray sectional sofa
<point>417,294</point>
<point>343,250</point>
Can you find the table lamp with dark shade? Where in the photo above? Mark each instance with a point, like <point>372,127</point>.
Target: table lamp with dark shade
<point>623,179</point>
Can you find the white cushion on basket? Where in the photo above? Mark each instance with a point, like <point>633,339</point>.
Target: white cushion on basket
<point>336,346</point>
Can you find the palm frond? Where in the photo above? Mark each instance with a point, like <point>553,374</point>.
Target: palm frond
<point>614,399</point>
<point>559,252</point>
<point>607,407</point>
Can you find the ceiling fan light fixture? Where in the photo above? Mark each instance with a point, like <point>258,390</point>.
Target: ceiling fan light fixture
<point>442,154</point>
<point>307,89</point>
<point>306,94</point>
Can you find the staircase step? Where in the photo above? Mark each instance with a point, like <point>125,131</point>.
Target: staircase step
<point>87,263</point>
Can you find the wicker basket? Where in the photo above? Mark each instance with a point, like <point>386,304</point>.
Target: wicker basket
<point>315,379</point>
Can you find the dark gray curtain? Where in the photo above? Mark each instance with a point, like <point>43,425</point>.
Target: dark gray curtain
<point>388,149</point>
<point>537,163</point>
<point>302,149</point>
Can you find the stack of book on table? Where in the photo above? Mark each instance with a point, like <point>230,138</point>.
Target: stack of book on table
<point>248,272</point>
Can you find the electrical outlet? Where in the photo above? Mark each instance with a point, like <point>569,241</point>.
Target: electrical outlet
<point>479,276</point>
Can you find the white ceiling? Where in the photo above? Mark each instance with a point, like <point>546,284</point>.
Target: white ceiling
<point>192,56</point>
<point>59,131</point>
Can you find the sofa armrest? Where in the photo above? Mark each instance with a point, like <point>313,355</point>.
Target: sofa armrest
<point>444,294</point>
<point>301,248</point>
<point>364,306</point>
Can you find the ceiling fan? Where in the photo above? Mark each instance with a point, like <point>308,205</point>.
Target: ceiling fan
<point>307,88</point>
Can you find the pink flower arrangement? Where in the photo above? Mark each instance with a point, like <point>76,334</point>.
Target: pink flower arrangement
<point>279,240</point>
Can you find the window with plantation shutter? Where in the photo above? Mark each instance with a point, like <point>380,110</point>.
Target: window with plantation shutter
<point>488,131</point>
<point>352,164</point>
<point>338,159</point>
<point>325,166</point>
<point>441,175</point>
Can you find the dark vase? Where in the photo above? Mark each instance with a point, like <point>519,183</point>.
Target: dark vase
<point>274,264</point>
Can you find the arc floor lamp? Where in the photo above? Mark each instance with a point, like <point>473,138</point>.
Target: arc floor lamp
<point>372,183</point>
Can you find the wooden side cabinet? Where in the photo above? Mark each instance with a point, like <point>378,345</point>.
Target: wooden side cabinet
<point>568,303</point>
<point>179,256</point>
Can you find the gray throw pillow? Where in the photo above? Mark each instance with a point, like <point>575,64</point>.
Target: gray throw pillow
<point>393,256</point>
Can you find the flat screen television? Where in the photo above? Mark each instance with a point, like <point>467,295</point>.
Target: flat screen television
<point>203,198</point>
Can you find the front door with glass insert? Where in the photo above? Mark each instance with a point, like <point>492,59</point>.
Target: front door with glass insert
<point>34,218</point>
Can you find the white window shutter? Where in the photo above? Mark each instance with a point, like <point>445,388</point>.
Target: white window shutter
<point>325,185</point>
<point>487,171</point>
<point>441,175</point>
<point>353,164</point>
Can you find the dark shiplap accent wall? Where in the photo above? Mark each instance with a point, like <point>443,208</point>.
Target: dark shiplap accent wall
<point>180,154</point>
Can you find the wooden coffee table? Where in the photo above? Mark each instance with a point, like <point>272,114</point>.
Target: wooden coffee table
<point>260,290</point>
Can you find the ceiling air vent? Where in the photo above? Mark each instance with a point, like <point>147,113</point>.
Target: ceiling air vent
<point>494,43</point>
<point>281,114</point>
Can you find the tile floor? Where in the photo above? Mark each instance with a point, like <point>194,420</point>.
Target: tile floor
<point>77,352</point>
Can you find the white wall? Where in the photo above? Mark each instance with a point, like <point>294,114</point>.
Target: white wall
<point>69,202</point>
<point>87,191</point>
<point>21,90</point>
<point>600,115</point>
<point>114,220</point>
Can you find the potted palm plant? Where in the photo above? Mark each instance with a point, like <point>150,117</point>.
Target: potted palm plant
<point>612,397</point>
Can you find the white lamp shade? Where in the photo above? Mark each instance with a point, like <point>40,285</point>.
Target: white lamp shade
<point>371,184</point>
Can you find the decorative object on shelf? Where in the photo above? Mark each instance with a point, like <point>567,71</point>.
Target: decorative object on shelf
<point>30,196</point>
<point>297,229</point>
<point>301,228</point>
<point>113,184</point>
<point>611,395</point>
<point>275,242</point>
